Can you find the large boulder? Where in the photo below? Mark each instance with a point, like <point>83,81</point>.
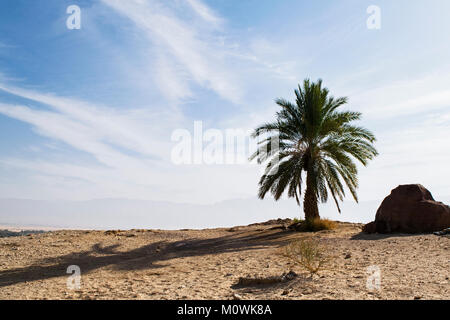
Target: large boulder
<point>410,209</point>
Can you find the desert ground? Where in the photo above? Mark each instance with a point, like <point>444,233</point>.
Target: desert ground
<point>207,264</point>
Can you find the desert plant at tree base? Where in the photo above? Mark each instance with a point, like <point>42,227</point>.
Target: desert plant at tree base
<point>308,253</point>
<point>296,220</point>
<point>312,137</point>
<point>314,225</point>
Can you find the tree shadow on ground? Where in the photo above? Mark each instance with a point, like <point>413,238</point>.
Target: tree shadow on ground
<point>151,256</point>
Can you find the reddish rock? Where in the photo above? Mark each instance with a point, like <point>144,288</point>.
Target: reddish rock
<point>410,209</point>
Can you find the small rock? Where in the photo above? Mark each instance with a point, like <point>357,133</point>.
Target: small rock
<point>348,256</point>
<point>237,296</point>
<point>285,292</point>
<point>182,244</point>
<point>289,276</point>
<point>248,291</point>
<point>443,232</point>
<point>308,291</point>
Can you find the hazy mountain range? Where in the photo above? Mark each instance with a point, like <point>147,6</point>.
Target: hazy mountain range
<point>128,214</point>
<point>125,214</point>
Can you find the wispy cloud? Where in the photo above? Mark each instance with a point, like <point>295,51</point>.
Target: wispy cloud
<point>403,98</point>
<point>130,146</point>
<point>205,12</point>
<point>78,122</point>
<point>183,44</point>
<point>131,149</point>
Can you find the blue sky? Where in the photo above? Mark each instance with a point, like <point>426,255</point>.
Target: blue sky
<point>89,113</point>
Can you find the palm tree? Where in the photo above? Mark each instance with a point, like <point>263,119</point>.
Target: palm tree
<point>312,136</point>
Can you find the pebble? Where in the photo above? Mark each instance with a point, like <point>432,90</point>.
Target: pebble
<point>237,296</point>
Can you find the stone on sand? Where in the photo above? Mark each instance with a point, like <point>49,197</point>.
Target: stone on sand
<point>410,209</point>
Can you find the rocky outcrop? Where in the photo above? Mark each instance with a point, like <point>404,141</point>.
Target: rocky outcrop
<point>410,209</point>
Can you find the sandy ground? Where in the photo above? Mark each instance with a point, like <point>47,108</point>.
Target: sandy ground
<point>207,264</point>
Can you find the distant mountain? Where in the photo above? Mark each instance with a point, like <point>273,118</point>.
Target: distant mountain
<point>8,233</point>
<point>128,214</point>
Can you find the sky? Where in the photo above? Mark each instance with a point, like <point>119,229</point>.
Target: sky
<point>91,113</point>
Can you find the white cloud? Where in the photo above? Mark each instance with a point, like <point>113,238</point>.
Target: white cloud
<point>183,44</point>
<point>205,12</point>
<point>172,80</point>
<point>131,149</point>
<point>421,94</point>
<point>78,122</point>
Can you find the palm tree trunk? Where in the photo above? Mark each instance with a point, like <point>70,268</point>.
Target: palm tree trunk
<point>310,207</point>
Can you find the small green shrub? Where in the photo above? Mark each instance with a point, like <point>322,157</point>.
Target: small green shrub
<point>296,220</point>
<point>308,253</point>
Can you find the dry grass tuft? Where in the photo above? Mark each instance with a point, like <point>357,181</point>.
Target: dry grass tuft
<point>315,225</point>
